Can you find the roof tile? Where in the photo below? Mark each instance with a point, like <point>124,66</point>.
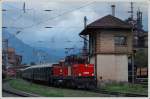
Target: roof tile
<point>109,21</point>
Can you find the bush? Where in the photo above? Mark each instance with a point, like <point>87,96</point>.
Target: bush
<point>141,58</point>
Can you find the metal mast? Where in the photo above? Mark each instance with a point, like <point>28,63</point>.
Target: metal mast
<point>24,7</point>
<point>85,53</point>
<point>131,11</point>
<point>5,52</point>
<point>139,20</point>
<point>132,57</point>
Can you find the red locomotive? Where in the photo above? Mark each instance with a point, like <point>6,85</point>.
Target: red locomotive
<point>84,70</point>
<point>59,71</point>
<point>73,72</point>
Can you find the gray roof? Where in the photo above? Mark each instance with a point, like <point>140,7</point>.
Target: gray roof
<point>107,22</point>
<point>40,66</point>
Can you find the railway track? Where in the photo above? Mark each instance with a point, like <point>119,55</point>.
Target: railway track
<point>113,94</point>
<point>118,94</point>
<point>6,93</point>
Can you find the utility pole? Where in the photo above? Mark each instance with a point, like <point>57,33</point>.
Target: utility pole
<point>24,7</point>
<point>85,52</point>
<point>133,51</point>
<point>5,53</point>
<point>135,41</point>
<point>139,20</point>
<point>131,11</point>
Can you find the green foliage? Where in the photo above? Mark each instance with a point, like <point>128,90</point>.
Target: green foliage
<point>141,58</point>
<point>126,88</point>
<point>34,88</point>
<point>50,91</point>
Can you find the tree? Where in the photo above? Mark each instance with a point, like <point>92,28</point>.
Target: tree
<point>141,58</point>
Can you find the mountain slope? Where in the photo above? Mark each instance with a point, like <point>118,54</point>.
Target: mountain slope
<point>29,53</point>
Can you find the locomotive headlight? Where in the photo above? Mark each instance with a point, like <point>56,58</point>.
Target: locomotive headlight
<point>92,74</point>
<point>86,65</point>
<point>60,70</point>
<point>79,74</point>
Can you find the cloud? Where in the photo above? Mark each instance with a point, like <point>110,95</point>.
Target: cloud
<point>66,19</point>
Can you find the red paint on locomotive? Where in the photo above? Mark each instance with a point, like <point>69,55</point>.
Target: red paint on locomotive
<point>60,71</point>
<point>84,70</point>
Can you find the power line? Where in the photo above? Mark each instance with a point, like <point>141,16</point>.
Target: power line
<point>33,25</point>
<point>28,27</point>
<point>12,6</point>
<point>18,18</point>
<point>24,9</point>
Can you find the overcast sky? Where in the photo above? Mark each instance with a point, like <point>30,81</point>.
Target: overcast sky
<point>66,19</point>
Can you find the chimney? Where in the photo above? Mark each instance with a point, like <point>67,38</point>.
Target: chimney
<point>113,10</point>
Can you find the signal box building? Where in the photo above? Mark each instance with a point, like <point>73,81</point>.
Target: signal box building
<point>110,44</point>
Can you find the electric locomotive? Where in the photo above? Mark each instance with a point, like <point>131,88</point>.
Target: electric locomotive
<point>71,72</point>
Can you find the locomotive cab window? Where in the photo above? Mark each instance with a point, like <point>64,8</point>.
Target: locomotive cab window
<point>120,40</point>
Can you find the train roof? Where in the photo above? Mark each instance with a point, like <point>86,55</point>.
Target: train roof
<point>40,66</point>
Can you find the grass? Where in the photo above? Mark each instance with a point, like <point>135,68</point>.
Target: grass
<point>6,78</point>
<point>50,91</point>
<point>126,88</point>
<point>59,92</point>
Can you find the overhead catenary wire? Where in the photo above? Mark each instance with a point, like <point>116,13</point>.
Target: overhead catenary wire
<point>31,26</point>
<point>52,18</point>
<point>16,19</point>
<point>24,9</point>
<point>7,4</point>
<point>64,13</point>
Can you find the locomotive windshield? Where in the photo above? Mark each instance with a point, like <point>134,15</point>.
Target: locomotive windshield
<point>74,59</point>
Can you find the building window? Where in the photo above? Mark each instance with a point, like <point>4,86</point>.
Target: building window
<point>120,40</point>
<point>9,57</point>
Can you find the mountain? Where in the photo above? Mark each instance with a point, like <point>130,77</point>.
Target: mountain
<point>55,54</point>
<point>34,54</point>
<point>29,54</point>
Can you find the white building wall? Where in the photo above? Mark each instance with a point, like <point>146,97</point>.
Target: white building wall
<point>112,67</point>
<point>92,61</point>
<point>122,68</point>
